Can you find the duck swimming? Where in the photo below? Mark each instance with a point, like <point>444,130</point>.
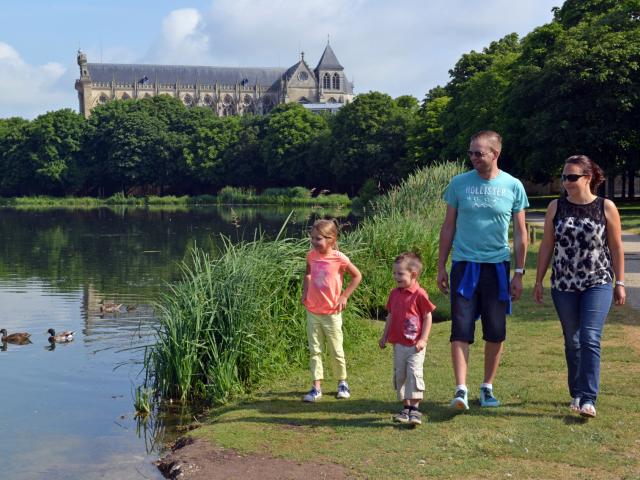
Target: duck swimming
<point>110,307</point>
<point>21,337</point>
<point>63,337</point>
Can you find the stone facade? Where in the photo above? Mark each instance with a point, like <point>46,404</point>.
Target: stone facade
<point>226,90</point>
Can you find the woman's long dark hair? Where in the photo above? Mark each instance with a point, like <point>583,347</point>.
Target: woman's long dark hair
<point>589,167</point>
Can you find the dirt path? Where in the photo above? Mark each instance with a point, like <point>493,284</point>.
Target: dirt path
<point>198,459</point>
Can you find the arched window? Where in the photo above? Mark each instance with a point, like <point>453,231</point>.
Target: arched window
<point>187,99</point>
<point>103,98</point>
<point>208,100</point>
<point>227,100</point>
<point>146,95</point>
<point>125,96</point>
<point>326,81</point>
<point>336,81</point>
<point>248,100</point>
<point>331,100</point>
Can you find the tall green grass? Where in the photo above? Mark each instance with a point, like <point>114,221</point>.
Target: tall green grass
<point>236,319</point>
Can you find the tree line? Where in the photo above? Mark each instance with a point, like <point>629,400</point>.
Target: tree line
<point>570,86</point>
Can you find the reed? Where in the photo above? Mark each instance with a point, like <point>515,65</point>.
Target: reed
<point>235,320</point>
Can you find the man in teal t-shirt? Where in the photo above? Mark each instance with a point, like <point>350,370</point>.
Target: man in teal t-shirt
<point>480,206</point>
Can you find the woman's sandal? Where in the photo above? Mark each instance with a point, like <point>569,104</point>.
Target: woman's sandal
<point>574,406</point>
<point>588,410</point>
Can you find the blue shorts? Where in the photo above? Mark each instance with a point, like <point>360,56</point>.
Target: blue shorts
<point>484,301</point>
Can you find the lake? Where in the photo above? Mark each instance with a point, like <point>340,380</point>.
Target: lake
<point>67,412</point>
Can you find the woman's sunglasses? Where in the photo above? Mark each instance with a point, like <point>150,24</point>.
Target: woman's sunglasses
<point>572,177</point>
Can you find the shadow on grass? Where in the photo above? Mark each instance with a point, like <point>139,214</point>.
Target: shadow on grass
<point>292,412</point>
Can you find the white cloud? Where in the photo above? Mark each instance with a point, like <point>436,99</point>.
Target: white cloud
<point>399,47</point>
<point>183,39</point>
<point>29,90</point>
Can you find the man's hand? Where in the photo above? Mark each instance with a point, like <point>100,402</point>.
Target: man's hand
<point>443,281</point>
<point>516,287</point>
<point>382,342</point>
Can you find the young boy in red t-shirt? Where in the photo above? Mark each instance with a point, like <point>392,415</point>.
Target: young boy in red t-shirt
<point>407,327</point>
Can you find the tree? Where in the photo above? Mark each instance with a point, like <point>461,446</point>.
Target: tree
<point>212,137</point>
<point>576,89</point>
<point>369,141</point>
<point>16,169</point>
<point>53,146</point>
<point>427,142</point>
<point>288,134</point>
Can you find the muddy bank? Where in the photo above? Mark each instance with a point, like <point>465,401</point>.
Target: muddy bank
<point>198,459</point>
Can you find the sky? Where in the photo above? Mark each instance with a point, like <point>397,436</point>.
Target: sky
<point>398,47</point>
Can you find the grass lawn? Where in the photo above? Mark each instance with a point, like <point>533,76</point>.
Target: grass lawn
<point>531,436</point>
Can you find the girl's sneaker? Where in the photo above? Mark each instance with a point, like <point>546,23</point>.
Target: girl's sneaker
<point>402,417</point>
<point>460,401</point>
<point>343,390</point>
<point>574,406</point>
<point>313,395</point>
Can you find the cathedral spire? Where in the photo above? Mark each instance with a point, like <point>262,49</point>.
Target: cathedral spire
<point>329,61</point>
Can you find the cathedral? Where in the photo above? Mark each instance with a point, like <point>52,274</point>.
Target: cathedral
<point>226,90</point>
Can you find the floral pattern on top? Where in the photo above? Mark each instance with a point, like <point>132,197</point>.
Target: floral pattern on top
<point>581,256</point>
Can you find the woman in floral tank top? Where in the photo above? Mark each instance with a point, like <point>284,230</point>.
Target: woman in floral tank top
<point>583,241</point>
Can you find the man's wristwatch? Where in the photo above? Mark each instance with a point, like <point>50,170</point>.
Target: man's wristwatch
<point>519,270</point>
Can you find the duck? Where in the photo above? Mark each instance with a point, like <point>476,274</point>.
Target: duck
<point>20,337</point>
<point>64,337</point>
<point>110,307</point>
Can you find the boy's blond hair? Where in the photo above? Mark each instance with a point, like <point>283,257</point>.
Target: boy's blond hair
<point>410,260</point>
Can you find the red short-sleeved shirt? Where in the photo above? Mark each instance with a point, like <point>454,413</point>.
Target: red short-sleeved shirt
<point>325,286</point>
<point>407,307</point>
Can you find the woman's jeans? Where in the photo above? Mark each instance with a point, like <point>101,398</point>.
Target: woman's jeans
<point>582,315</point>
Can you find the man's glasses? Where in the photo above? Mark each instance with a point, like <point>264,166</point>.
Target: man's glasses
<point>572,177</point>
<point>477,153</point>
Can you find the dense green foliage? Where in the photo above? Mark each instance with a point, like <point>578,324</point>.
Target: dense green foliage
<point>159,146</point>
<point>236,319</point>
<point>571,86</point>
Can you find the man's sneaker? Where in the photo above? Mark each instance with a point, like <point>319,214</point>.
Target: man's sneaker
<point>487,399</point>
<point>343,390</point>
<point>313,395</point>
<point>402,417</point>
<point>415,417</point>
<point>460,402</point>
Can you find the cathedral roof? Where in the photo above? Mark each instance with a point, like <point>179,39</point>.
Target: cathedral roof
<point>329,61</point>
<point>183,74</point>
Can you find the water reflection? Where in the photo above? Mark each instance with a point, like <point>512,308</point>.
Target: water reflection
<point>71,404</point>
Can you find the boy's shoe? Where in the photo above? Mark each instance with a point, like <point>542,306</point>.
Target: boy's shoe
<point>402,417</point>
<point>460,402</point>
<point>313,395</point>
<point>588,410</point>
<point>487,399</point>
<point>574,406</point>
<point>343,390</point>
<point>415,417</point>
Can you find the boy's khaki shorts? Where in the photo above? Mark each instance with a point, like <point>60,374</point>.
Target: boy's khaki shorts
<point>408,376</point>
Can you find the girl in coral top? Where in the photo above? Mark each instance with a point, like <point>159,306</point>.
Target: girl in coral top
<point>324,299</point>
